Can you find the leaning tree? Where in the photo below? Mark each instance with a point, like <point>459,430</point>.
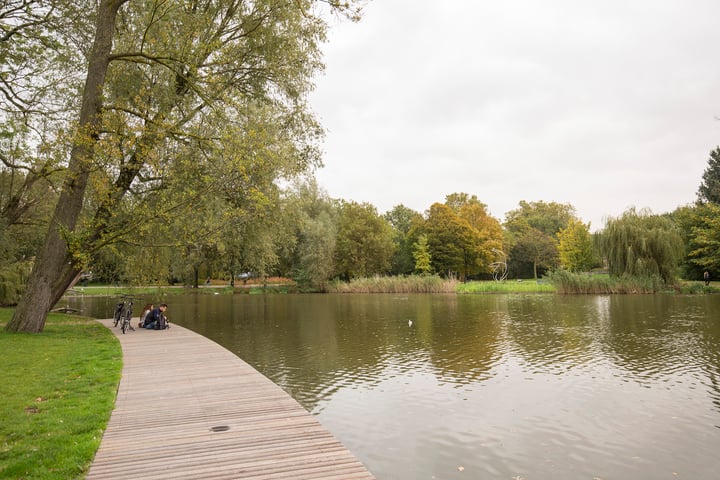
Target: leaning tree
<point>217,88</point>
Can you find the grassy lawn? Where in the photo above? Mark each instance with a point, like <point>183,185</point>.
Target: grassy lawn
<point>116,291</point>
<point>57,390</point>
<point>508,286</point>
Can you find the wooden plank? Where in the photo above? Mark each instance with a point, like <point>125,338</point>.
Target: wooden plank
<point>176,386</point>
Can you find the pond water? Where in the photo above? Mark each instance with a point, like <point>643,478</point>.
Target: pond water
<point>488,386</point>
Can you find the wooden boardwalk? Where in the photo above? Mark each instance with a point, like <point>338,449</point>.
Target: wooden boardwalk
<point>187,408</point>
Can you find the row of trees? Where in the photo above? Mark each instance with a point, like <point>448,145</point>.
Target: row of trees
<point>304,234</point>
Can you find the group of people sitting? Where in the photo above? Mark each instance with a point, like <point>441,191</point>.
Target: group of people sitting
<point>154,317</point>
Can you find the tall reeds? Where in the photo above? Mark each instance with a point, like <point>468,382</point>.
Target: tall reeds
<point>400,284</point>
<point>578,283</point>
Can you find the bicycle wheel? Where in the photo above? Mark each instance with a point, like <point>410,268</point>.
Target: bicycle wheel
<point>126,322</point>
<point>118,314</point>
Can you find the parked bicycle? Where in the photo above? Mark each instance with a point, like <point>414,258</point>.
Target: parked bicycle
<point>123,313</point>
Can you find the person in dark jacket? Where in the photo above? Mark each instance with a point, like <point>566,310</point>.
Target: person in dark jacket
<point>148,308</point>
<point>154,317</point>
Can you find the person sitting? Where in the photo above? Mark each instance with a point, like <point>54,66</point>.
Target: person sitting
<point>148,308</point>
<point>155,317</point>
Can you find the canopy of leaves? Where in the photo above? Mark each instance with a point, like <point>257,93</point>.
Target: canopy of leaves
<point>575,247</point>
<point>404,222</point>
<point>422,256</point>
<point>704,237</point>
<point>456,248</point>
<point>364,242</point>
<point>532,234</point>
<point>537,248</point>
<point>709,190</point>
<point>210,91</point>
<point>642,244</point>
<point>547,217</point>
<point>312,216</point>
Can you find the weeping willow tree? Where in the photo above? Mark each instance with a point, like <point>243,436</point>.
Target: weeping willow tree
<point>642,244</point>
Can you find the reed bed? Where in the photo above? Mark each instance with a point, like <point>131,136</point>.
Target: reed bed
<point>578,283</point>
<point>400,284</point>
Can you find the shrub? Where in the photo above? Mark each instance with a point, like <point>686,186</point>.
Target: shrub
<point>12,282</point>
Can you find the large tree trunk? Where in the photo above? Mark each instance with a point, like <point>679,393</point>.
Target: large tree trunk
<point>55,266</point>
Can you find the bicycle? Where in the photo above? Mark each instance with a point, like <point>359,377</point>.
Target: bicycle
<point>123,313</point>
<point>118,311</point>
<point>127,318</point>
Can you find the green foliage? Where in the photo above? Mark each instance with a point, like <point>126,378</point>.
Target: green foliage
<point>486,227</point>
<point>404,222</point>
<point>578,283</point>
<point>532,230</point>
<point>57,391</point>
<point>314,217</point>
<point>12,282</point>
<point>462,236</point>
<point>696,288</point>
<point>703,237</point>
<point>535,247</point>
<point>25,207</point>
<point>190,117</point>
<point>364,243</point>
<point>640,244</point>
<point>688,218</point>
<point>316,252</point>
<point>453,245</point>
<point>709,190</point>
<point>547,217</point>
<point>575,247</point>
<point>422,256</point>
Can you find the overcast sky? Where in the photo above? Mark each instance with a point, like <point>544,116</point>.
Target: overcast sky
<point>601,104</point>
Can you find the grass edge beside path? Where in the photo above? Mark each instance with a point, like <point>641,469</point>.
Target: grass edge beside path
<point>57,391</point>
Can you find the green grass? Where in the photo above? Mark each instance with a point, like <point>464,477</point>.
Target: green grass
<point>57,390</point>
<point>114,291</point>
<point>507,286</point>
<point>161,291</point>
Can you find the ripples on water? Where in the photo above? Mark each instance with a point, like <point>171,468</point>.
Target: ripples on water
<point>537,387</point>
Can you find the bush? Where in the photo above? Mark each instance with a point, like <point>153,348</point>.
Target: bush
<point>12,282</point>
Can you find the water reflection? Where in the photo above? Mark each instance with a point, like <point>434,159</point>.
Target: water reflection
<point>542,387</point>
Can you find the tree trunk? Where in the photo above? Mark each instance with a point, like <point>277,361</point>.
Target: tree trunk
<point>55,266</point>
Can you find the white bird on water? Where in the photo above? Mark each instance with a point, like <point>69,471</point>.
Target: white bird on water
<point>409,323</point>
